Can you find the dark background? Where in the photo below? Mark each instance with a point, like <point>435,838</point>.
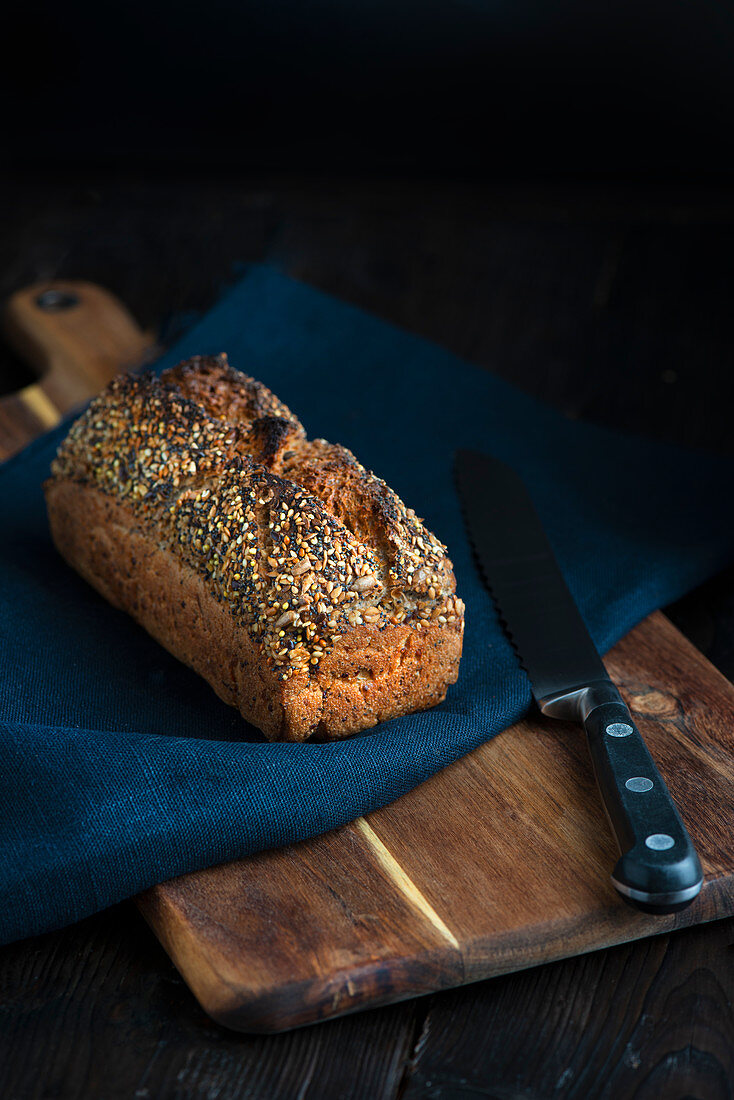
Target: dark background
<point>445,86</point>
<point>544,189</point>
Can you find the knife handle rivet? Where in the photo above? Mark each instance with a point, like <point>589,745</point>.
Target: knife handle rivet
<point>619,729</point>
<point>659,842</point>
<point>639,784</point>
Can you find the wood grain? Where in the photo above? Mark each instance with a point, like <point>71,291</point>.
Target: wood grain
<point>418,899</point>
<point>641,1021</point>
<point>77,336</point>
<point>299,934</point>
<point>98,1012</point>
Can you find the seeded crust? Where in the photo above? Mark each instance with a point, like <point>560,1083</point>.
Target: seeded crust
<point>294,580</point>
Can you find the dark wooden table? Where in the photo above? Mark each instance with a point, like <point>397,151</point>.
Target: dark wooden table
<point>612,303</point>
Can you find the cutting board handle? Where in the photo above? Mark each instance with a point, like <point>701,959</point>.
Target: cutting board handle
<point>77,336</point>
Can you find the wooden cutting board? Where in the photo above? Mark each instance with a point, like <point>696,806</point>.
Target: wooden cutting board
<point>499,862</point>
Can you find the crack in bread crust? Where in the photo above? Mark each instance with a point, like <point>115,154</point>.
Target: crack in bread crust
<point>313,568</point>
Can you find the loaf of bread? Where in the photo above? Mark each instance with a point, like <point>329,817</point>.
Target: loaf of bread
<point>280,569</point>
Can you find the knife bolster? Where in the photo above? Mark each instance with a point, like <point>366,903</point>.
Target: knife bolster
<point>576,704</point>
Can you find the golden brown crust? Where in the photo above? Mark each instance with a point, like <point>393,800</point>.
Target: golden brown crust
<point>313,600</point>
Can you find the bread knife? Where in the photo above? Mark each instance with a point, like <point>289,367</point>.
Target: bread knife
<point>658,870</point>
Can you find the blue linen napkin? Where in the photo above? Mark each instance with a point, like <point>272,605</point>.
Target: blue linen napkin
<point>119,767</point>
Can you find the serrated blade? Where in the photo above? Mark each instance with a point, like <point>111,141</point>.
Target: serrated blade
<point>520,569</point>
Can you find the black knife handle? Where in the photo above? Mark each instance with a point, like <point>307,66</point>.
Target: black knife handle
<point>659,870</point>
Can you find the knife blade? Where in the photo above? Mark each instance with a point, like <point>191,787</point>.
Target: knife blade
<point>658,869</point>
